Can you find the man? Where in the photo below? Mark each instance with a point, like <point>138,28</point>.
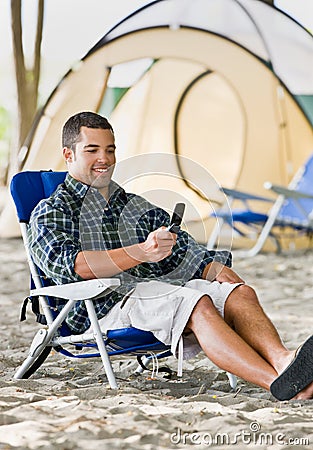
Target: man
<point>91,228</point>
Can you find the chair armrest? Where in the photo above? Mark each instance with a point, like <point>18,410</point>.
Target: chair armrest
<point>287,192</point>
<point>240,195</point>
<point>81,290</point>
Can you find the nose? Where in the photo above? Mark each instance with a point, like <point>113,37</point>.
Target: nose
<point>102,157</point>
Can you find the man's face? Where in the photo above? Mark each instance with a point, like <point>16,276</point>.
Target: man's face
<point>93,160</point>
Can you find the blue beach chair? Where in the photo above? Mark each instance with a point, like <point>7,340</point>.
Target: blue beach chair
<point>27,189</point>
<point>292,210</point>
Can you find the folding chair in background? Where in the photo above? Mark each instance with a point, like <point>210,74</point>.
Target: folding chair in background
<point>27,189</point>
<point>292,209</point>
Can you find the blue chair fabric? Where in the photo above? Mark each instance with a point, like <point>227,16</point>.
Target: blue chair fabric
<point>293,208</point>
<point>27,189</point>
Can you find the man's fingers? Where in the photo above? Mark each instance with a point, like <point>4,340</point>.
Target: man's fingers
<point>159,244</point>
<point>163,233</point>
<point>165,237</point>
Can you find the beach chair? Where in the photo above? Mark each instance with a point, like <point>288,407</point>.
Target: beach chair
<point>292,210</point>
<point>27,189</point>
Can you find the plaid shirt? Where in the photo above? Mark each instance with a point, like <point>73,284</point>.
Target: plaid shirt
<point>77,217</point>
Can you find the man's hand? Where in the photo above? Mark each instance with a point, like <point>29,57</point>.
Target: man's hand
<point>106,263</point>
<point>158,245</point>
<point>219,272</point>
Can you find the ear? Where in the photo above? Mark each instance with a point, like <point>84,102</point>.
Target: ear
<point>68,154</point>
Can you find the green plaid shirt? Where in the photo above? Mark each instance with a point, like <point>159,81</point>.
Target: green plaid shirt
<point>77,218</point>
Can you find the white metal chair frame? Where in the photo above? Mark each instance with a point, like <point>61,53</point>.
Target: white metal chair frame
<point>276,215</point>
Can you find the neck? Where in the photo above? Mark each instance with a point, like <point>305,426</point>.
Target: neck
<point>105,193</point>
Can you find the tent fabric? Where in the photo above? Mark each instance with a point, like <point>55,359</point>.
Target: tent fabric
<point>265,31</point>
<point>216,91</point>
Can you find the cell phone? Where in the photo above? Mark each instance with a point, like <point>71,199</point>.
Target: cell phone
<point>177,218</point>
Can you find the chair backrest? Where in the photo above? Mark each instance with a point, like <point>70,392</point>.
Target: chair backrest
<point>29,187</point>
<point>302,182</point>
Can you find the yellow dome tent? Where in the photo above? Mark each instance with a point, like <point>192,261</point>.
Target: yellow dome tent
<point>200,93</point>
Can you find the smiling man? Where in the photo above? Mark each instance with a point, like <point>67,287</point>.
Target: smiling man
<point>170,285</point>
<point>91,156</point>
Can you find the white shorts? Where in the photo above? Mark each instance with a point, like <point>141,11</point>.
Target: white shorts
<point>164,309</point>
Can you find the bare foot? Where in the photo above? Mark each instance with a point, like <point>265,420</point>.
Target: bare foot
<point>306,393</point>
<point>284,360</point>
<point>297,375</point>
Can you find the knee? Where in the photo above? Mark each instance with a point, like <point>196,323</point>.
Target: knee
<point>241,299</point>
<point>241,295</point>
<point>205,305</point>
<point>204,308</point>
<point>246,291</point>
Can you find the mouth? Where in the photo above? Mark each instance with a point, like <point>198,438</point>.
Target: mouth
<point>101,169</point>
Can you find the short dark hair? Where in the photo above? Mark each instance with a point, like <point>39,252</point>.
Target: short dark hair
<point>89,119</point>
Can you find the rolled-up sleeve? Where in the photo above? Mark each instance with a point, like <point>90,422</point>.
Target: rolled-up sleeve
<point>52,243</point>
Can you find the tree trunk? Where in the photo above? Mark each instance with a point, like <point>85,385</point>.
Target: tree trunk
<point>27,79</point>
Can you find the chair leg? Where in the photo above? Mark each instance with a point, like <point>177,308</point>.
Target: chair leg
<point>215,233</point>
<point>37,352</point>
<point>37,347</point>
<point>232,380</point>
<point>266,230</point>
<point>100,343</point>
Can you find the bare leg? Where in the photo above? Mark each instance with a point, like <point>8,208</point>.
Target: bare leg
<point>226,348</point>
<point>255,356</point>
<point>244,313</point>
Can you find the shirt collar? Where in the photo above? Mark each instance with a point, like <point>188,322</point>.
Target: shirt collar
<point>80,189</point>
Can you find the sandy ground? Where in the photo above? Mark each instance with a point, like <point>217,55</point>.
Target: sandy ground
<point>67,404</point>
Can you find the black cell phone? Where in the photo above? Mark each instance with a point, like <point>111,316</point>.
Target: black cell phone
<point>177,218</point>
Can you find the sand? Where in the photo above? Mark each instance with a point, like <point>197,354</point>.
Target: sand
<point>67,404</point>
